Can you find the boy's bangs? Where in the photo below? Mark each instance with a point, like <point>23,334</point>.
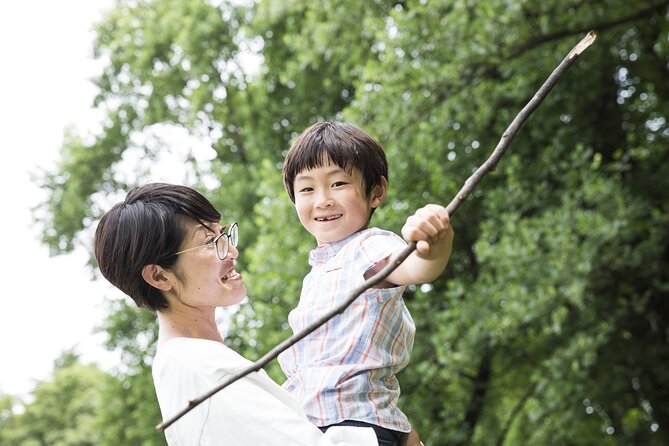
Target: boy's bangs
<point>320,155</point>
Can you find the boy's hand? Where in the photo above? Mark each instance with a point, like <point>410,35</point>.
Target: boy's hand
<point>431,228</point>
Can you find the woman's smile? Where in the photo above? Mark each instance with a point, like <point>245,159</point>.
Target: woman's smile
<point>232,275</point>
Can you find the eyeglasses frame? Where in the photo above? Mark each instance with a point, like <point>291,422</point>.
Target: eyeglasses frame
<point>231,238</point>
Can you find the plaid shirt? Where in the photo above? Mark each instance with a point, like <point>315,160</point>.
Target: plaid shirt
<point>345,370</point>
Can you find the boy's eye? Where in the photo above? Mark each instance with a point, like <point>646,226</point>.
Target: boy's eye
<point>339,183</point>
<point>306,189</point>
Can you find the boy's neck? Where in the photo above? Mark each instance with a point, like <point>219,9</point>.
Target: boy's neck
<point>344,238</point>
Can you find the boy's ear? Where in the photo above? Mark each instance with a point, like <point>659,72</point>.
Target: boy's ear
<point>156,276</point>
<point>379,193</point>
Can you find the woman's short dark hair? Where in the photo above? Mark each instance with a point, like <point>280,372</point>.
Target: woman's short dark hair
<point>146,228</point>
<point>344,144</point>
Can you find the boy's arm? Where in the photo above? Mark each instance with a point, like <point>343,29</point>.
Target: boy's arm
<point>410,439</point>
<point>430,227</point>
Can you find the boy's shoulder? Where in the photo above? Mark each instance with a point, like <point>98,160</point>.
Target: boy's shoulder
<point>373,243</point>
<point>376,233</point>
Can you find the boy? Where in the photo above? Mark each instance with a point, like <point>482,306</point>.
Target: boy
<point>344,372</point>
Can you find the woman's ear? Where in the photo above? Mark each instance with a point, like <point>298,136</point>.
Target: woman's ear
<point>379,193</point>
<point>156,276</point>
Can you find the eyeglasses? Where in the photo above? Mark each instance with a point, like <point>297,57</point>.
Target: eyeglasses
<point>229,236</point>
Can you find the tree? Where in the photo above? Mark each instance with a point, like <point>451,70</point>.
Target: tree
<point>550,325</point>
<point>63,410</point>
<point>82,405</point>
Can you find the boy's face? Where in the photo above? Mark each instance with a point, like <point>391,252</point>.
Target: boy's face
<point>331,203</point>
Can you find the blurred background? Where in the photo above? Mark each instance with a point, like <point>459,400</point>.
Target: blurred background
<point>49,304</point>
<point>551,323</point>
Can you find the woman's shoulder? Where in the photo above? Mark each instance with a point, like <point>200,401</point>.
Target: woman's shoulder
<point>198,356</point>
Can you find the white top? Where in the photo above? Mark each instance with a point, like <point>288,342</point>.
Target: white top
<point>253,411</point>
<point>345,370</point>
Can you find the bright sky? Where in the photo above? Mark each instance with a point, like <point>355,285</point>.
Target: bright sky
<point>48,305</point>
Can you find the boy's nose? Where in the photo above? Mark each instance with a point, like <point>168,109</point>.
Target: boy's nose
<point>325,200</point>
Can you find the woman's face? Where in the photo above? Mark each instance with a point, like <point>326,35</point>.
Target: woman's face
<point>205,280</point>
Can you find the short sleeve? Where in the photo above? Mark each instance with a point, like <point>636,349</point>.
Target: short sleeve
<point>375,246</point>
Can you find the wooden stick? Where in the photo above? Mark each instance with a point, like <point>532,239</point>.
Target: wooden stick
<point>452,207</point>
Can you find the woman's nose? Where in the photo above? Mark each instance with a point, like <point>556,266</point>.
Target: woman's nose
<point>233,252</point>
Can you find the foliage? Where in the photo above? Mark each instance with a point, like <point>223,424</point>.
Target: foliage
<point>63,410</point>
<point>550,325</point>
<point>131,405</point>
<point>81,405</point>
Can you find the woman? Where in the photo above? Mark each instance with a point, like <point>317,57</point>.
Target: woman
<point>165,248</point>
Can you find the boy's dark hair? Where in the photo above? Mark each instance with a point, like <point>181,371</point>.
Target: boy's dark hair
<point>344,144</point>
<point>147,228</point>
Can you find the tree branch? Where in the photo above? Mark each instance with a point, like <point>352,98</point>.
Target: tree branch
<point>452,207</point>
<point>514,413</point>
<point>602,26</point>
<point>477,400</point>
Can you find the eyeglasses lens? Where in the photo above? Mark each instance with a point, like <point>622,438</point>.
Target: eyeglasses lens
<point>231,236</point>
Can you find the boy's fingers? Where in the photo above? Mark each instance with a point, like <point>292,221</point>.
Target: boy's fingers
<point>435,213</point>
<point>431,220</point>
<point>423,247</point>
<point>427,226</point>
<point>416,228</point>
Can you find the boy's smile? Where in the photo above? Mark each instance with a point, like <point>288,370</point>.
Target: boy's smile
<point>329,217</point>
<point>331,202</point>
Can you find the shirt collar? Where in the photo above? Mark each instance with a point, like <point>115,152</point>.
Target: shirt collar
<point>324,253</point>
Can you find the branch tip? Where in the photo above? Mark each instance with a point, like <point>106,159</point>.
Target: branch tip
<point>588,40</point>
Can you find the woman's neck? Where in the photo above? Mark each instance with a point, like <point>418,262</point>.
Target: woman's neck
<point>188,323</point>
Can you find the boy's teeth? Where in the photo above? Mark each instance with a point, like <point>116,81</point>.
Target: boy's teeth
<point>332,217</point>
